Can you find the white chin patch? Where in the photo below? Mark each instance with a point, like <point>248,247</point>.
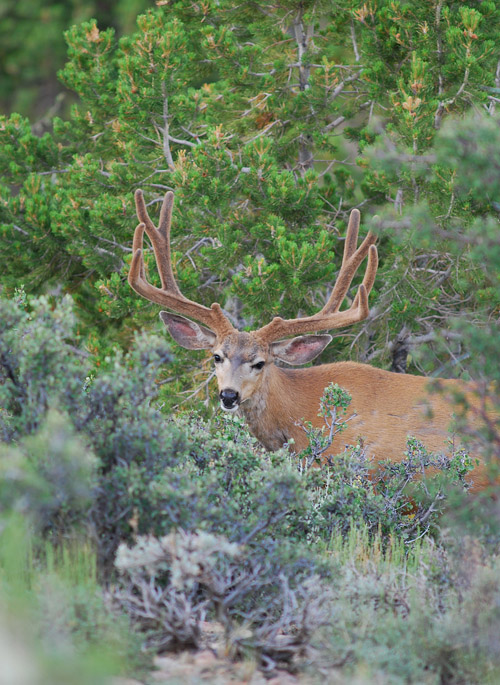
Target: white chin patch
<point>230,409</point>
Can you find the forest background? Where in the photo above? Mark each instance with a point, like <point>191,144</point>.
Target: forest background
<point>270,122</point>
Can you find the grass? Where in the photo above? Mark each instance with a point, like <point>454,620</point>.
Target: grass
<point>361,548</point>
<point>56,626</point>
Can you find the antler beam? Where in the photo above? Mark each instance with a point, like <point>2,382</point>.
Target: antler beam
<point>169,294</point>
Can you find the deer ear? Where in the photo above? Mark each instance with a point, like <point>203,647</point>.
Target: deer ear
<point>187,333</point>
<point>300,350</point>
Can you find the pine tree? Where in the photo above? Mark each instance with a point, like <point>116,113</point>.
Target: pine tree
<point>270,123</point>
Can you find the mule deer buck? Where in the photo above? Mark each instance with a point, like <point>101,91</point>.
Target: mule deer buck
<point>274,400</point>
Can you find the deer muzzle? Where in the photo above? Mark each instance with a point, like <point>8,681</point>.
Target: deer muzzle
<point>230,399</point>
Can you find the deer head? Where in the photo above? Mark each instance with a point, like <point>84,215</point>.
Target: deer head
<point>243,361</point>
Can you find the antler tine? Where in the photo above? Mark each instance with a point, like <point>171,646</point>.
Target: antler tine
<point>351,238</point>
<point>169,294</point>
<point>329,317</point>
<point>370,273</point>
<point>160,237</point>
<point>166,214</point>
<point>137,261</point>
<point>350,263</point>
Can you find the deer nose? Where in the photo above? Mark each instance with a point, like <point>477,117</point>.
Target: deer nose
<point>229,398</point>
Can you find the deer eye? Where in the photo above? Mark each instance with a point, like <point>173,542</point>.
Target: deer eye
<point>258,366</point>
<point>217,358</point>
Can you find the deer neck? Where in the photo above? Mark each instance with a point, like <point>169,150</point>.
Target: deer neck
<point>271,411</point>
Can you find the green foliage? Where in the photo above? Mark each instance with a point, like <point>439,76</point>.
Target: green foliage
<point>33,48</point>
<point>333,406</point>
<point>269,123</point>
<point>56,627</point>
<point>168,472</point>
<point>37,362</point>
<point>429,624</point>
<point>51,475</point>
<point>385,613</point>
<point>216,526</point>
<point>98,445</point>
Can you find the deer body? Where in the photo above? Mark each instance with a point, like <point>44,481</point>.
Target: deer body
<point>387,407</point>
<point>274,400</point>
<point>383,419</point>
